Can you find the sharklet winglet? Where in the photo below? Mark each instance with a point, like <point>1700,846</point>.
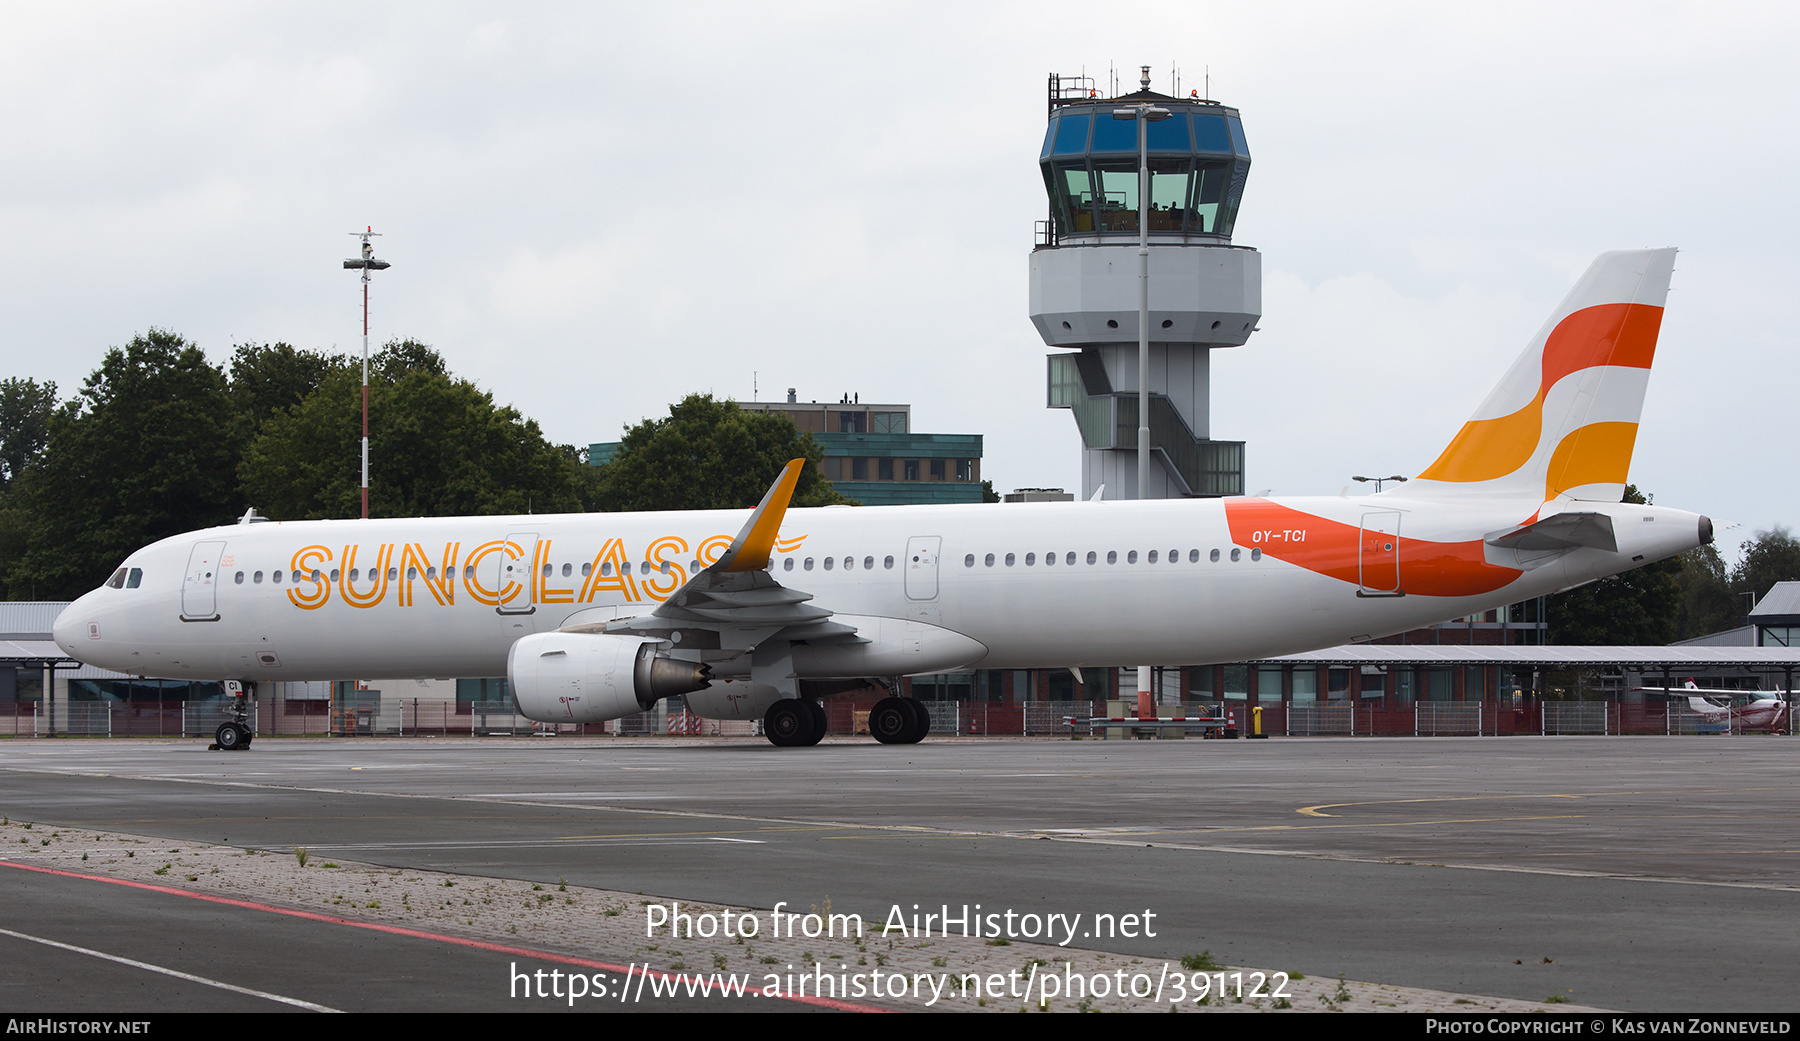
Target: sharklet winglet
<point>751,549</point>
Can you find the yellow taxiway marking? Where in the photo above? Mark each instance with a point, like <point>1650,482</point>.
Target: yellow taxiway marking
<point>1318,810</point>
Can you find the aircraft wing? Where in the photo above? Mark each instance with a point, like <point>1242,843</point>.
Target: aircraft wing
<point>735,603</point>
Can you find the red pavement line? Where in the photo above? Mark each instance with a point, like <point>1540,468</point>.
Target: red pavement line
<point>420,934</point>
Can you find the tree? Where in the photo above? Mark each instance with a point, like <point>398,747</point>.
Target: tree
<point>25,409</point>
<point>1773,556</point>
<point>1707,603</point>
<point>710,455</point>
<point>1636,608</point>
<point>147,449</point>
<point>438,446</point>
<point>276,376</point>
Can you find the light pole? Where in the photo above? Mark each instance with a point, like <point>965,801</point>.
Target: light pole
<point>366,263</point>
<point>1144,114</point>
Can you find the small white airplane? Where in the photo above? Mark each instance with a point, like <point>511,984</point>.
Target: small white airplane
<point>597,616</point>
<point>1723,708</point>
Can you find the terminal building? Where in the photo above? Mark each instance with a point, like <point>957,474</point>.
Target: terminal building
<point>872,453</point>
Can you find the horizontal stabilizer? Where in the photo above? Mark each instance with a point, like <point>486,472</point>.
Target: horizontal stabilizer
<point>1536,544</point>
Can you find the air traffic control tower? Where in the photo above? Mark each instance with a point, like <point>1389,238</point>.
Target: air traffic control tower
<point>1204,292</point>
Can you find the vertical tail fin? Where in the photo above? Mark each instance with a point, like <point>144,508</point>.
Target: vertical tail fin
<point>1563,420</point>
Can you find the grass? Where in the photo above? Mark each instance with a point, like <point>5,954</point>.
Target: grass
<point>1202,962</point>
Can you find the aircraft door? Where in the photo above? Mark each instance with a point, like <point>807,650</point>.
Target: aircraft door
<point>512,574</point>
<point>199,589</point>
<point>922,567</point>
<point>1378,555</point>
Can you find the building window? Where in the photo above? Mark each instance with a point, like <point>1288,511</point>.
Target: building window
<point>834,468</point>
<point>859,469</point>
<point>885,470</point>
<point>965,469</point>
<point>912,470</point>
<point>937,469</point>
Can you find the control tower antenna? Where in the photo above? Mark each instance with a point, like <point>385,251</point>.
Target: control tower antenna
<point>366,264</point>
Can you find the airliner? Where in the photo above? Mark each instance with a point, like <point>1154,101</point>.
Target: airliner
<point>759,615</point>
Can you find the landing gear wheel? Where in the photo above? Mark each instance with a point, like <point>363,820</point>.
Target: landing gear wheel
<point>821,722</point>
<point>921,721</point>
<point>892,721</point>
<point>789,723</point>
<point>231,737</point>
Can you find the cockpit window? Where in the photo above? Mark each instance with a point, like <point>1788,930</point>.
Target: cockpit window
<point>135,579</point>
<point>117,581</point>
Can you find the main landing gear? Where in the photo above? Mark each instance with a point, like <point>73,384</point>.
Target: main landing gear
<point>794,723</point>
<point>798,722</point>
<point>899,721</point>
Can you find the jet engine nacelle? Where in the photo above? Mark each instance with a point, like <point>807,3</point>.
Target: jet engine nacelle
<point>592,677</point>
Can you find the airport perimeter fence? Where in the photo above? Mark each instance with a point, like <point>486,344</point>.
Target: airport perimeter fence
<point>421,717</point>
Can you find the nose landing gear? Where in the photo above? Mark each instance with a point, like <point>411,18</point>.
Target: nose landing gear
<point>235,734</point>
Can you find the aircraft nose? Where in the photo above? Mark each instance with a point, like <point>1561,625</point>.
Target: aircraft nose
<point>70,628</point>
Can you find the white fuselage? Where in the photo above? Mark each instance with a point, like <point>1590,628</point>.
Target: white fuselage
<point>1162,583</point>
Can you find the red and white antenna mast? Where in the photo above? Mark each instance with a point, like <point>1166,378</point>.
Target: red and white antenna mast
<point>366,263</point>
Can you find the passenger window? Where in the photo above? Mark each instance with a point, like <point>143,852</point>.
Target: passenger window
<point>587,569</point>
<point>1030,559</point>
<point>1050,559</point>
<point>412,574</point>
<point>1112,556</point>
<point>1091,557</point>
<point>868,563</point>
<point>969,561</point>
<point>787,564</point>
<point>828,562</point>
<point>239,579</point>
<point>1151,559</point>
<point>393,573</point>
<point>1215,555</point>
<point>568,570</point>
<point>1236,555</point>
<point>1256,554</point>
<point>888,563</point>
<point>256,578</point>
<point>849,563</point>
<point>808,564</point>
<point>1009,560</point>
<point>1070,559</point>
<point>275,577</point>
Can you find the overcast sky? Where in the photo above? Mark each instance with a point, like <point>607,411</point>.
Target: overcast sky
<point>595,209</point>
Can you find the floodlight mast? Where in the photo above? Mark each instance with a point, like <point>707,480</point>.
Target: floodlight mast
<point>1143,114</point>
<point>366,263</point>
